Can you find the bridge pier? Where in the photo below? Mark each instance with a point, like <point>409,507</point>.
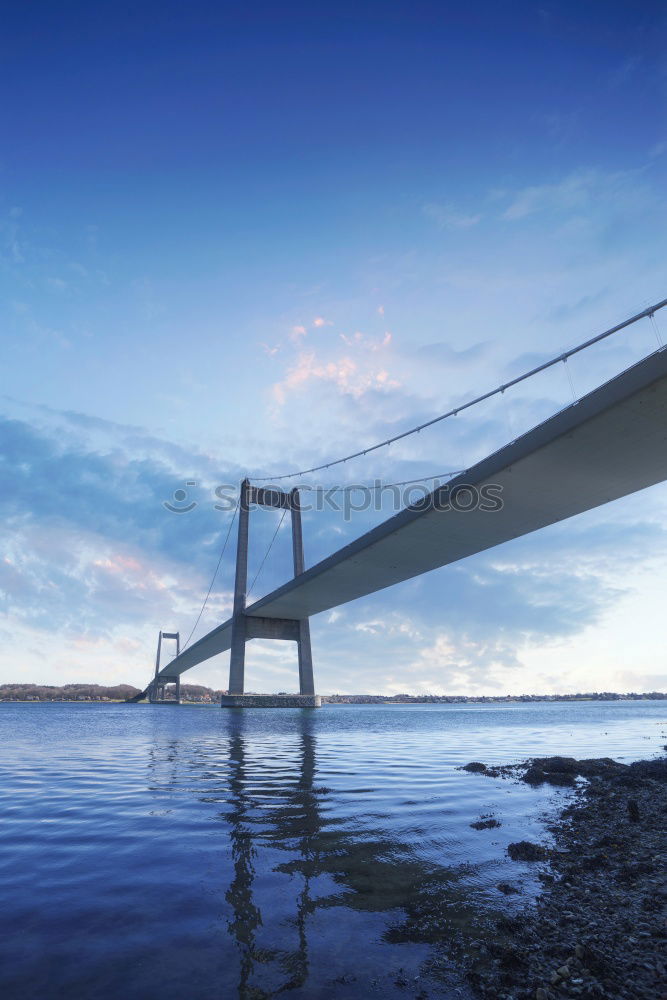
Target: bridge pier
<point>157,687</point>
<point>306,680</point>
<point>245,627</point>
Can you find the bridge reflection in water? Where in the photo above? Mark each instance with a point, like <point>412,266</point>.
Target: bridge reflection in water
<point>281,815</point>
<point>318,903</point>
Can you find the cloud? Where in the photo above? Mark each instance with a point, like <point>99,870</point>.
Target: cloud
<point>393,626</point>
<point>56,284</point>
<point>480,626</point>
<point>319,322</point>
<point>448,217</point>
<point>372,344</point>
<point>570,194</point>
<point>562,126</point>
<point>566,310</point>
<point>620,77</point>
<point>91,551</point>
<point>297,333</point>
<point>56,572</point>
<point>580,192</point>
<point>443,353</point>
<point>347,375</point>
<point>353,373</point>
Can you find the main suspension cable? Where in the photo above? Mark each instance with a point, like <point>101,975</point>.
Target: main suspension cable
<point>379,485</point>
<point>473,402</point>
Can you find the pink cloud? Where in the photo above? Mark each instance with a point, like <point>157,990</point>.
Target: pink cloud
<point>358,339</point>
<point>350,377</point>
<point>134,574</point>
<point>353,373</point>
<point>296,333</point>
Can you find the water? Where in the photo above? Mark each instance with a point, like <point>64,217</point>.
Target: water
<point>155,851</point>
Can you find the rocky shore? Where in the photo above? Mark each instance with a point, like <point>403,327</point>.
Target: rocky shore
<point>599,928</point>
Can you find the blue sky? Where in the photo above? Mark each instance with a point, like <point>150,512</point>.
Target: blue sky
<point>251,239</point>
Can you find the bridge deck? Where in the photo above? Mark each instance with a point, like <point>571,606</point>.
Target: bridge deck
<point>610,443</point>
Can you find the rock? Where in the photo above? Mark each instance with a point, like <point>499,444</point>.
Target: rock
<point>560,778</point>
<point>563,972</point>
<point>475,766</point>
<point>506,888</point>
<point>633,811</point>
<point>565,765</point>
<point>600,767</point>
<point>484,824</point>
<point>523,850</point>
<point>593,862</point>
<point>655,770</point>
<point>534,776</point>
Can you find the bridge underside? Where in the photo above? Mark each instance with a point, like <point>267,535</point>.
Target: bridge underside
<point>609,444</point>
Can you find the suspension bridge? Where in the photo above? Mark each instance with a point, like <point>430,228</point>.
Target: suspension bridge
<point>608,444</point>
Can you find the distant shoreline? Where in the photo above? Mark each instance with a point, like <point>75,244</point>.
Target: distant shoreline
<point>198,694</point>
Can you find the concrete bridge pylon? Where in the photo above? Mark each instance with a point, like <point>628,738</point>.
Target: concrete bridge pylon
<point>245,627</point>
<point>157,693</point>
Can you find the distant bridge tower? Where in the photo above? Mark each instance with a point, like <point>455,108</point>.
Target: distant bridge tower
<point>157,692</point>
<point>245,627</point>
